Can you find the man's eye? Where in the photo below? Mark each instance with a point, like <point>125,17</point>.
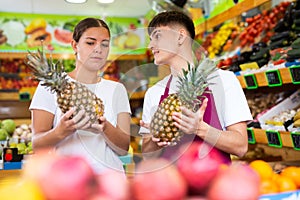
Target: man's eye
<point>157,36</point>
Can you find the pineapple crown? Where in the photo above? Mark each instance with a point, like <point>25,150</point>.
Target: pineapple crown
<point>194,81</point>
<point>51,74</point>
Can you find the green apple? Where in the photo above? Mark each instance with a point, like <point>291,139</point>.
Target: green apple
<point>21,148</point>
<point>3,134</point>
<point>9,125</point>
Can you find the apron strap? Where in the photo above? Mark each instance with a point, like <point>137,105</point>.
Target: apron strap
<point>166,93</point>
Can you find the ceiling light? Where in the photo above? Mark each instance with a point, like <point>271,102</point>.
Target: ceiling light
<point>76,1</point>
<point>105,1</point>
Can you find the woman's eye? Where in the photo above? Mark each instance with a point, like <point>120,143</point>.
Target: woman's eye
<point>90,43</point>
<point>105,45</point>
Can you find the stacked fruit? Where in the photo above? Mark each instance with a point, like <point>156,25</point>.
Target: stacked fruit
<point>220,39</point>
<point>14,136</point>
<point>288,179</point>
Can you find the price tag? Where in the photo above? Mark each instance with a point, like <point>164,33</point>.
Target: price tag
<point>274,139</point>
<point>296,140</point>
<point>24,96</point>
<point>295,74</point>
<point>251,138</point>
<point>250,80</point>
<point>274,78</point>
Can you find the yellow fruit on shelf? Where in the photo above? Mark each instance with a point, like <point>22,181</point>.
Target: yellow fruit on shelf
<point>268,186</point>
<point>292,172</point>
<point>263,169</point>
<point>285,184</point>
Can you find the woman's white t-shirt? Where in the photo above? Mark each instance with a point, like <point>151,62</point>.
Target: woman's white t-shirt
<point>87,144</point>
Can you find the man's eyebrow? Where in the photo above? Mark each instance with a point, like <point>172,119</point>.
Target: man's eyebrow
<point>154,32</point>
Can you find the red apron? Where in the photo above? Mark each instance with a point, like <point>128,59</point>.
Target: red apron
<point>210,117</point>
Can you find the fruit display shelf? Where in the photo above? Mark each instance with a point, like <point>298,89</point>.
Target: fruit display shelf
<point>273,138</point>
<point>270,77</point>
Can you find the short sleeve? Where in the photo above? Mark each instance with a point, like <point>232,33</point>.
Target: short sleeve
<point>121,100</point>
<point>43,99</point>
<point>236,106</point>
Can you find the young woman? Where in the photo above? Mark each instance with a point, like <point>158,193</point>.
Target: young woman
<point>171,42</point>
<point>100,143</point>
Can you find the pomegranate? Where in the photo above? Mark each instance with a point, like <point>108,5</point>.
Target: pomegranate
<point>235,183</point>
<point>69,178</point>
<point>199,164</point>
<point>158,179</point>
<point>112,185</point>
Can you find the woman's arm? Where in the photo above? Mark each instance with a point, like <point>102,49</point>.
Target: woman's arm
<point>118,138</point>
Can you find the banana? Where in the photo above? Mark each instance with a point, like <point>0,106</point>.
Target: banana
<point>297,123</point>
<point>297,116</point>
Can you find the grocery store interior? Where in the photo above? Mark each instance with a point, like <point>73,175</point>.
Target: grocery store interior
<point>257,40</point>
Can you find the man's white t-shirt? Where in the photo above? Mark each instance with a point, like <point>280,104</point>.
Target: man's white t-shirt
<point>87,144</point>
<point>229,97</point>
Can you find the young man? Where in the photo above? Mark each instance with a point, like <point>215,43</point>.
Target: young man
<point>222,117</point>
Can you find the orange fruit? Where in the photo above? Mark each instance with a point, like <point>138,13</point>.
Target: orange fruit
<point>285,184</point>
<point>292,172</point>
<point>263,169</point>
<point>268,186</point>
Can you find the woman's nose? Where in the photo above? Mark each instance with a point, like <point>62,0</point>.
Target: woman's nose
<point>97,49</point>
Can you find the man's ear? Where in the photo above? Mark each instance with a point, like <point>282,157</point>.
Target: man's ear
<point>182,36</point>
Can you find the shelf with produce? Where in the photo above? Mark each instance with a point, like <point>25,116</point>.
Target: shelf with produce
<point>137,95</point>
<point>270,78</point>
<point>273,138</point>
<point>231,13</point>
<point>5,55</point>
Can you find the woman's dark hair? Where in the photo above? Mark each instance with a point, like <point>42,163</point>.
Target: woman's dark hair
<point>172,18</point>
<point>86,23</point>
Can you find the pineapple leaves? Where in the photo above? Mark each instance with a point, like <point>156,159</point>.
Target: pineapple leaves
<point>194,81</point>
<point>51,74</point>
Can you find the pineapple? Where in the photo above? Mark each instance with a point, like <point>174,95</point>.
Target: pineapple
<point>191,87</point>
<point>69,93</point>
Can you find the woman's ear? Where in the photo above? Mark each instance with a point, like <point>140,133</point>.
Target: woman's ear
<point>74,46</point>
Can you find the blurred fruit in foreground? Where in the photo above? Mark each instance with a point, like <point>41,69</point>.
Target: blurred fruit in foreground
<point>199,160</point>
<point>235,183</point>
<point>69,178</point>
<point>112,185</point>
<point>24,189</point>
<point>158,179</point>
